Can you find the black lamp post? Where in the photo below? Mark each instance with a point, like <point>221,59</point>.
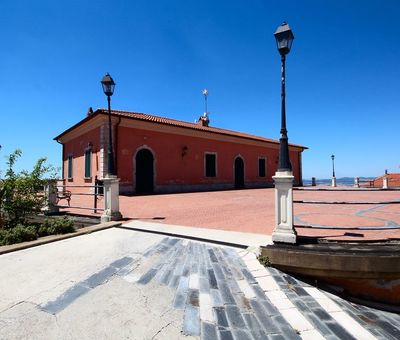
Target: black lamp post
<point>108,87</point>
<point>284,39</point>
<point>333,165</point>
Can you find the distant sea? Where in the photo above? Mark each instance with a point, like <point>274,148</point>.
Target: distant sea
<point>346,181</point>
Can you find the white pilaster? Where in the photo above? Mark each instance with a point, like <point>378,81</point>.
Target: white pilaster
<point>284,230</point>
<point>111,199</point>
<point>50,192</point>
<point>385,183</point>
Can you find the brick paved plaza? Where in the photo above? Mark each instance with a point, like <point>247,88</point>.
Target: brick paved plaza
<point>252,211</point>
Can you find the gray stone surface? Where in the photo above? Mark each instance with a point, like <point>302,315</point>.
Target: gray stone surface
<point>122,284</point>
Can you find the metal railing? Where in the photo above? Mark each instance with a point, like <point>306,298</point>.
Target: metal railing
<point>64,193</point>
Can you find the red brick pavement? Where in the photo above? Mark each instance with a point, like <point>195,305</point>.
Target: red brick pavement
<point>253,211</point>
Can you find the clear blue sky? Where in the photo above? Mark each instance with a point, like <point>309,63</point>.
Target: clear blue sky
<point>343,72</point>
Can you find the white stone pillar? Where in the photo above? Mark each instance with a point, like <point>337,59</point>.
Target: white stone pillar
<point>111,199</point>
<point>284,231</point>
<point>356,182</point>
<point>50,194</point>
<point>334,182</point>
<point>385,183</point>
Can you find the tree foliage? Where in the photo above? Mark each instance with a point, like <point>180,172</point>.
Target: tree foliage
<point>21,193</point>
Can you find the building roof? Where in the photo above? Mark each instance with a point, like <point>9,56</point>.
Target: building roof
<point>172,122</point>
<point>393,180</point>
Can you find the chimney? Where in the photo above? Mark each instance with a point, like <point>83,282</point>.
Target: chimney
<point>203,120</point>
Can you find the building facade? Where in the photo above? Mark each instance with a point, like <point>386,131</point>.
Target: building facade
<point>156,154</point>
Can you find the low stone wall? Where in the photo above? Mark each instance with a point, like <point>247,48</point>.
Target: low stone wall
<point>368,271</point>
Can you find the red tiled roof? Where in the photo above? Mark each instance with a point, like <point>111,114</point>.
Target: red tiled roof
<point>393,180</point>
<point>194,126</point>
<point>173,122</point>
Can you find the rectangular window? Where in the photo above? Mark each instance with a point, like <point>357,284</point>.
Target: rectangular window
<point>211,165</point>
<point>261,167</point>
<point>88,163</point>
<point>69,172</point>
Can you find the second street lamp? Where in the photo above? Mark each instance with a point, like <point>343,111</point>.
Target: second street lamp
<point>333,171</point>
<point>108,88</point>
<point>284,39</point>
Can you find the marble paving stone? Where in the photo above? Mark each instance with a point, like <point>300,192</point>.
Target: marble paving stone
<point>234,317</point>
<point>296,319</point>
<point>220,317</point>
<point>206,311</point>
<point>208,331</point>
<point>191,321</point>
<point>212,279</point>
<point>148,276</point>
<point>239,334</point>
<point>225,335</point>
<point>226,294</point>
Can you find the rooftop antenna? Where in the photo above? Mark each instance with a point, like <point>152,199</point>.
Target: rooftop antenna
<point>205,93</point>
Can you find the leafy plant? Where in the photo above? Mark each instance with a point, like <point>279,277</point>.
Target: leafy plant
<point>19,233</point>
<point>54,226</point>
<point>264,260</point>
<point>20,192</point>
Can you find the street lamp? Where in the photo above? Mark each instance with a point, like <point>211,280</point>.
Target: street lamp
<point>108,88</point>
<point>333,171</point>
<point>284,230</point>
<point>284,39</point>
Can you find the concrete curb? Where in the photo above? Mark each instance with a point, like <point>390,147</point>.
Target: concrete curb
<point>54,238</point>
<point>217,236</point>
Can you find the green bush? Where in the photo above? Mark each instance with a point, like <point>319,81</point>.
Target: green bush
<point>55,226</point>
<point>21,192</point>
<point>17,234</point>
<point>264,260</point>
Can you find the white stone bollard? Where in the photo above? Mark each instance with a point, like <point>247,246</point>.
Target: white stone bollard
<point>385,183</point>
<point>111,199</point>
<point>284,231</point>
<point>334,182</point>
<point>50,192</point>
<point>356,182</point>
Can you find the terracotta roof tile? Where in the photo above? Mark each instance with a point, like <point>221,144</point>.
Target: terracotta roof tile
<point>179,123</point>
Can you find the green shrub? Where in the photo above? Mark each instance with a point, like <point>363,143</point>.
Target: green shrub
<point>20,192</point>
<point>55,226</point>
<point>264,260</point>
<point>17,234</point>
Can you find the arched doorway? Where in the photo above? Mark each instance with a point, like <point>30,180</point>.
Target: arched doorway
<point>239,173</point>
<point>144,172</point>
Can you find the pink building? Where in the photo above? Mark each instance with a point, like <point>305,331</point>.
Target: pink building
<point>156,154</point>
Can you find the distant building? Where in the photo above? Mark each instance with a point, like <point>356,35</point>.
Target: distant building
<point>393,180</point>
<point>156,154</point>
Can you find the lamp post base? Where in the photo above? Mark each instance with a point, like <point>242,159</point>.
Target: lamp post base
<point>334,182</point>
<point>284,231</point>
<point>111,199</point>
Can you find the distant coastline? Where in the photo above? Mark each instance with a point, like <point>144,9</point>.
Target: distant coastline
<point>346,181</point>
